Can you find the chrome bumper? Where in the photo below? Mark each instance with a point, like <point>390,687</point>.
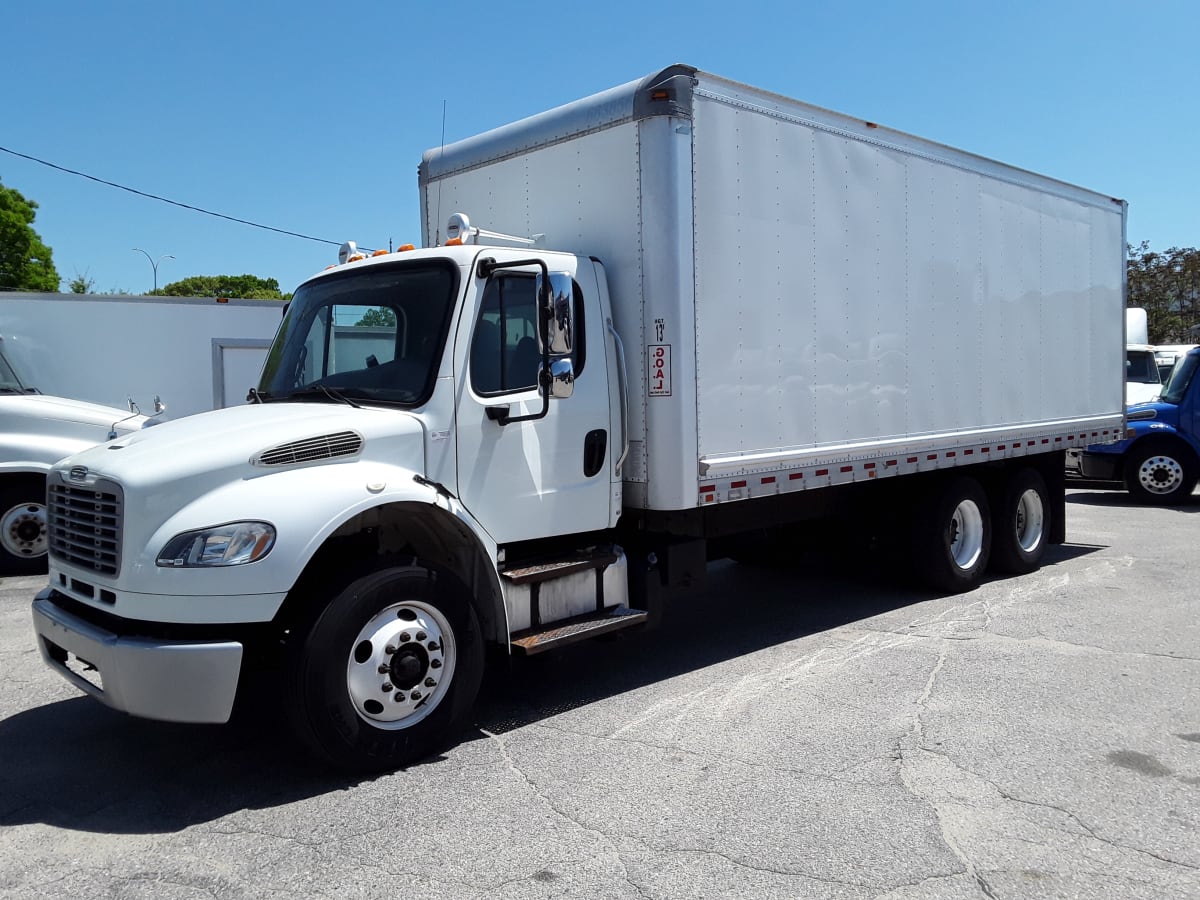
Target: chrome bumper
<point>174,681</point>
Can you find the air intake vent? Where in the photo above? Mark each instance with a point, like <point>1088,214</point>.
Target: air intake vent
<point>325,446</point>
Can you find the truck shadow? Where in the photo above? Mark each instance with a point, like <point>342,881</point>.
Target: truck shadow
<point>78,765</point>
<point>1121,499</point>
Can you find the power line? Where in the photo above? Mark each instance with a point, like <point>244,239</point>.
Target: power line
<point>207,212</point>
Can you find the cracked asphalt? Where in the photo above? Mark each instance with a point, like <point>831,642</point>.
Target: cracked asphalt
<point>819,732</point>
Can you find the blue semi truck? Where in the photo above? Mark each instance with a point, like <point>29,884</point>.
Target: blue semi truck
<point>1159,457</point>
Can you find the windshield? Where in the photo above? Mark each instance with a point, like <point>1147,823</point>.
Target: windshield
<point>372,334</point>
<point>1181,377</point>
<point>9,382</point>
<point>1141,367</point>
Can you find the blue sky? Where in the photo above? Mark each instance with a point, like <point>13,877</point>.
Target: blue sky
<point>312,117</point>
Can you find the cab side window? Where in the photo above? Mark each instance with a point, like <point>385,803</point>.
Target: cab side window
<point>504,348</point>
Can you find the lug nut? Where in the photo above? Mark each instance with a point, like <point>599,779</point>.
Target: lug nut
<point>429,682</point>
<point>435,664</point>
<point>421,635</point>
<point>389,649</point>
<point>405,637</point>
<point>386,687</point>
<point>433,645</point>
<point>415,695</point>
<point>383,670</point>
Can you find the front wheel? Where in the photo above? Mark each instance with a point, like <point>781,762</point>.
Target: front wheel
<point>389,670</point>
<point>952,535</point>
<point>23,539</point>
<point>1159,473</point>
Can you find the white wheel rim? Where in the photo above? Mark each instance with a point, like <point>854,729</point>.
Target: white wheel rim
<point>401,665</point>
<point>1160,474</point>
<point>23,530</point>
<point>1030,521</point>
<point>966,534</point>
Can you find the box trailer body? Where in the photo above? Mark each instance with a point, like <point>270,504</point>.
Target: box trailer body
<point>196,354</point>
<point>690,320</point>
<point>823,290</point>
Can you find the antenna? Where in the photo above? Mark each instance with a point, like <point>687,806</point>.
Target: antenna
<point>437,240</point>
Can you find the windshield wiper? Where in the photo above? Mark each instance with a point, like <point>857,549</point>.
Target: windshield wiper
<point>329,392</point>
<point>258,396</point>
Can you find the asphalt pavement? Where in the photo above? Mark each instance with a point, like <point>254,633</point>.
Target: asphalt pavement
<point>811,733</point>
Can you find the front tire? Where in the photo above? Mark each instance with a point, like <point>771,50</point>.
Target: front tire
<point>1159,473</point>
<point>952,535</point>
<point>23,540</point>
<point>388,671</point>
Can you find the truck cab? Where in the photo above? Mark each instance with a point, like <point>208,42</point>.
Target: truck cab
<point>1158,458</point>
<point>437,433</point>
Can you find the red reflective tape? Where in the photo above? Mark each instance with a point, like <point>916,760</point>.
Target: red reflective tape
<point>889,463</point>
<point>931,456</point>
<point>951,453</point>
<point>770,479</point>
<point>968,452</point>
<point>821,472</point>
<point>846,469</point>
<point>707,488</point>
<point>1002,446</point>
<point>1057,440</point>
<point>986,450</point>
<point>738,484</point>
<point>795,475</point>
<point>868,465</point>
<point>911,459</point>
<point>1044,441</point>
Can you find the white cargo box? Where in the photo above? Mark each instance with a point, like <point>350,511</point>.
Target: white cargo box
<point>808,298</point>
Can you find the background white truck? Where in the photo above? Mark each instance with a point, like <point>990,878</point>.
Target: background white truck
<point>36,431</point>
<point>756,313</point>
<point>196,354</point>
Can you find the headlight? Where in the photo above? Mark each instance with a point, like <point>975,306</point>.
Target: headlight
<point>222,545</point>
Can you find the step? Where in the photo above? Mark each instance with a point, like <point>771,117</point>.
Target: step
<point>559,568</point>
<point>580,628</point>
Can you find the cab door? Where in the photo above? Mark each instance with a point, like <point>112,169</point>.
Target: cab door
<point>547,476</point>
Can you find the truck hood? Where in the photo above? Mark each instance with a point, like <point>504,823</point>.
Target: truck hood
<point>41,412</point>
<point>1155,411</point>
<point>229,444</point>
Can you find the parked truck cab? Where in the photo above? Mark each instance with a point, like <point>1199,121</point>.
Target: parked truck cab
<point>1158,457</point>
<point>37,430</point>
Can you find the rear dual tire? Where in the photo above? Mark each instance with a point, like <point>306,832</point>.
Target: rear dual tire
<point>952,535</point>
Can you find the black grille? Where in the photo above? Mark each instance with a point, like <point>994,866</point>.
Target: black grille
<point>85,526</point>
<point>327,446</point>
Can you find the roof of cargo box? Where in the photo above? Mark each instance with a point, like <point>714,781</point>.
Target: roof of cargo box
<point>665,93</point>
<point>672,92</point>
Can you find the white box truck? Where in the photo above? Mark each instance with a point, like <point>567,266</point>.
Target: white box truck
<point>697,311</point>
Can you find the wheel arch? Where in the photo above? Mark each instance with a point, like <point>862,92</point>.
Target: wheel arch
<point>1166,438</point>
<point>405,528</point>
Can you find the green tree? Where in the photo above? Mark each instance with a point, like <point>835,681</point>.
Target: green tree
<point>379,316</point>
<point>25,262</point>
<point>1167,286</point>
<point>240,287</point>
<point>81,284</point>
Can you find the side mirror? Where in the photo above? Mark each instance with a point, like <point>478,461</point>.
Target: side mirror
<point>556,302</point>
<point>562,379</point>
